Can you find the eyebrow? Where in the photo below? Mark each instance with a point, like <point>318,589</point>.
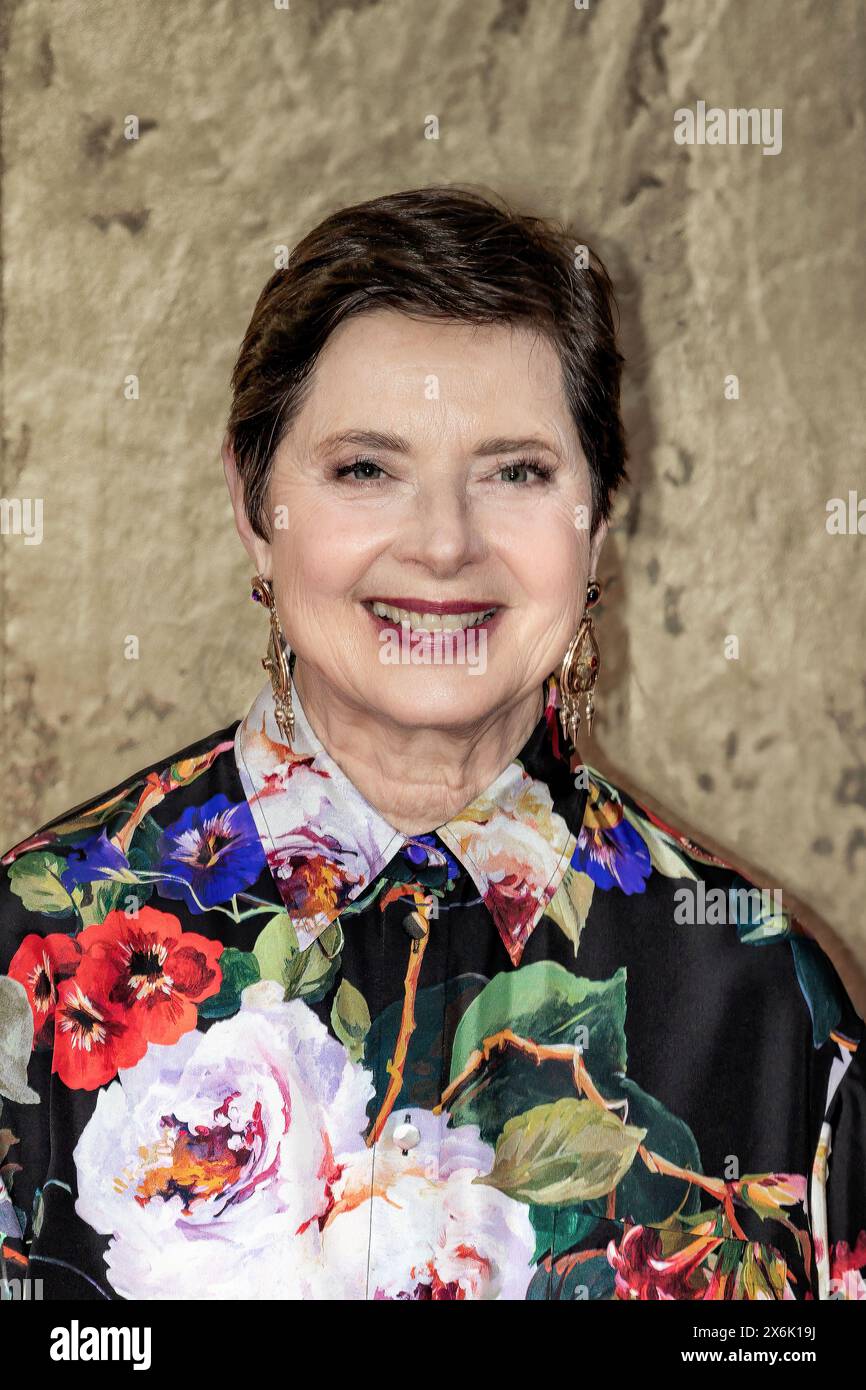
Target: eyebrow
<point>395,443</point>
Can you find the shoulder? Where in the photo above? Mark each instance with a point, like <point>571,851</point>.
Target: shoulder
<point>750,929</point>
<point>169,772</point>
<point>72,870</point>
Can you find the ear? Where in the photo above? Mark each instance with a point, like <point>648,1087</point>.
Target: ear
<point>257,548</point>
<point>595,546</point>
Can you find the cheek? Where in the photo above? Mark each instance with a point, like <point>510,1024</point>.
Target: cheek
<point>321,562</point>
<point>548,553</point>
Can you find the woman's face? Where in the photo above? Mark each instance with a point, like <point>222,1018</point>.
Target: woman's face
<point>432,464</point>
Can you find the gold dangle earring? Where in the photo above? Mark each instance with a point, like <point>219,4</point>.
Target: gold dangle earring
<point>580,671</point>
<point>279,661</point>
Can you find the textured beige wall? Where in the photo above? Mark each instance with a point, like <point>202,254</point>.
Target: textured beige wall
<point>145,257</point>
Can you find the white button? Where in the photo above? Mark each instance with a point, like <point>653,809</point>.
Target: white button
<point>406,1136</point>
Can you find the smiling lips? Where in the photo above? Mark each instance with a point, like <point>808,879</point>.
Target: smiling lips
<point>424,614</point>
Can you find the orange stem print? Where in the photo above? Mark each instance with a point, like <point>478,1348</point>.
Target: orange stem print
<point>407,1018</point>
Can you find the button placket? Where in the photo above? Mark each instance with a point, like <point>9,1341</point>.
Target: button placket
<point>406,1136</point>
<point>394,1132</point>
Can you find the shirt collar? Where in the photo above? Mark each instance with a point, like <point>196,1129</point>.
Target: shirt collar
<point>325,844</point>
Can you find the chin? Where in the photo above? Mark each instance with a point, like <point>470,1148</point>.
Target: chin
<point>442,695</point>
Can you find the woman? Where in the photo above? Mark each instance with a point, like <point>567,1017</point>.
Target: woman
<point>381,992</point>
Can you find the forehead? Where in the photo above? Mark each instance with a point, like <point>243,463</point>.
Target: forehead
<point>385,359</point>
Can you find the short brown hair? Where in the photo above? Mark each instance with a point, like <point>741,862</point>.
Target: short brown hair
<point>433,252</point>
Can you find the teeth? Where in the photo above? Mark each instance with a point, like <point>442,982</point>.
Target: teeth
<point>432,622</point>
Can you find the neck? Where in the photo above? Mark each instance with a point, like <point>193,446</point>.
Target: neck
<point>416,777</point>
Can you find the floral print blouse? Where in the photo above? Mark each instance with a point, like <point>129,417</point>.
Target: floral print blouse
<point>257,1043</point>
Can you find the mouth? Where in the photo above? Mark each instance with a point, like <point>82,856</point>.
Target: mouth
<point>440,617</point>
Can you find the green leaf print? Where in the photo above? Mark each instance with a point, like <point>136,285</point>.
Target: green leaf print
<point>239,969</point>
<point>642,1197</point>
<point>275,945</point>
<point>35,879</point>
<point>557,1229</point>
<point>350,1019</point>
<point>820,986</point>
<point>583,1277</point>
<point>306,974</point>
<point>542,1003</point>
<point>96,900</point>
<point>570,1151</point>
<point>570,904</point>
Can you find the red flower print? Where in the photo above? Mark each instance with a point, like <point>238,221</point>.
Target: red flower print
<point>107,993</point>
<point>848,1267</point>
<point>152,971</point>
<point>40,964</point>
<point>645,1271</point>
<point>92,1037</point>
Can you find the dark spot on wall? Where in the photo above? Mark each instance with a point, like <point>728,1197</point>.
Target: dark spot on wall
<point>325,10</point>
<point>105,139</point>
<point>765,742</point>
<point>45,61</point>
<point>657,34</point>
<point>856,842</point>
<point>636,101</point>
<point>631,519</point>
<point>822,845</point>
<point>97,140</point>
<point>705,782</point>
<point>653,570</point>
<point>149,704</point>
<point>646,67</point>
<point>851,787</point>
<point>847,721</point>
<point>731,744</point>
<point>672,620</point>
<point>686,466</point>
<point>18,453</point>
<point>24,798</point>
<point>640,185</point>
<point>511,17</point>
<point>146,705</point>
<point>134,222</point>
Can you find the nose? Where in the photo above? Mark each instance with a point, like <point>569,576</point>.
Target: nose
<point>442,531</point>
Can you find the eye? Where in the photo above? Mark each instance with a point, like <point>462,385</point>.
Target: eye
<point>359,463</point>
<point>541,471</point>
<point>521,471</point>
